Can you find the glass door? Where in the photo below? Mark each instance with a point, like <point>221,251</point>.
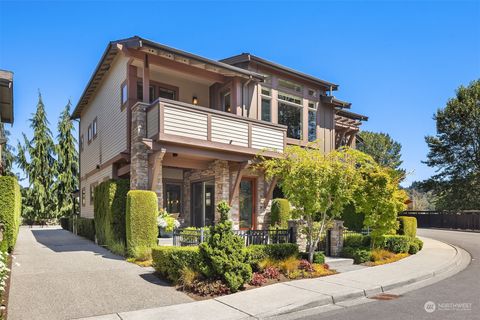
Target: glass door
<point>247,203</point>
<point>203,203</point>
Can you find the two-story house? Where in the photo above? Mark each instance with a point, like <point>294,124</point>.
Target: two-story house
<point>187,127</point>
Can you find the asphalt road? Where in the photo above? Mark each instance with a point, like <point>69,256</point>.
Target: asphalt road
<point>457,297</point>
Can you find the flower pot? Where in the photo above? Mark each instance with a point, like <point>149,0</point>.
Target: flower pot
<point>165,234</point>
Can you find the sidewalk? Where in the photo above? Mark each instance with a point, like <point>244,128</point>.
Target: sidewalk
<point>436,259</point>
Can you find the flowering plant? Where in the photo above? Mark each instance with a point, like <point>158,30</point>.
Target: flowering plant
<point>167,221</point>
<point>4,271</point>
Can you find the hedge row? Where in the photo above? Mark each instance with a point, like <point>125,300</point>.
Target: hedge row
<point>141,222</point>
<point>85,227</point>
<point>407,226</point>
<point>280,213</point>
<point>10,210</point>
<point>110,211</point>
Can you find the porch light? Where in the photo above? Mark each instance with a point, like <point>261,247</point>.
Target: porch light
<point>194,100</point>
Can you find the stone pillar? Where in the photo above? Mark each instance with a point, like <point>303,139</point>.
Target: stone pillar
<point>336,238</point>
<point>222,184</point>
<point>157,177</point>
<point>139,151</point>
<point>297,235</point>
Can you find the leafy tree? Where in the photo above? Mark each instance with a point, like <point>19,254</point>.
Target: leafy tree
<point>455,151</point>
<point>421,200</point>
<point>67,164</point>
<point>317,185</point>
<point>37,159</point>
<point>7,152</point>
<point>383,149</point>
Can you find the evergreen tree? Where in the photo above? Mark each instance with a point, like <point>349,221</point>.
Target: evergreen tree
<point>67,163</point>
<point>7,152</point>
<point>37,159</point>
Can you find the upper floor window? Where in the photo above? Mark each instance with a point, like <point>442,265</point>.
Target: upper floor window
<point>227,102</point>
<point>94,128</point>
<point>290,85</point>
<point>312,121</point>
<point>124,93</point>
<point>289,98</point>
<point>266,109</point>
<point>89,133</point>
<point>312,93</point>
<point>140,92</point>
<point>291,116</point>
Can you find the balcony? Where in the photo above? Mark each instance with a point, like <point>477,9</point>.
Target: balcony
<point>181,123</point>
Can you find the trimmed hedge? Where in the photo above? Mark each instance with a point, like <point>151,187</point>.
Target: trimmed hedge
<point>86,228</point>
<point>359,255</point>
<point>110,211</point>
<point>10,210</point>
<point>170,261</point>
<point>407,226</point>
<point>141,221</point>
<point>396,243</point>
<point>280,212</point>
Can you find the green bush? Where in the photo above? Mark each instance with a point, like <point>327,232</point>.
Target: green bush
<point>351,219</point>
<point>413,247</point>
<point>10,209</point>
<point>223,255</point>
<point>396,244</point>
<point>353,240</point>
<point>359,255</point>
<point>86,228</point>
<point>64,223</point>
<point>141,226</point>
<point>170,261</point>
<point>419,242</point>
<point>318,257</point>
<point>280,251</point>
<point>280,213</point>
<point>407,226</point>
<point>109,212</point>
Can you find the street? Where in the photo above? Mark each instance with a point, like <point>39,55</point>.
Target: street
<point>457,297</point>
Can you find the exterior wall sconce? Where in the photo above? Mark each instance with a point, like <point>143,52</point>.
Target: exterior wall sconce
<point>195,100</point>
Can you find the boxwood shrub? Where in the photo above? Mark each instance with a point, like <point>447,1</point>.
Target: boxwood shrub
<point>359,254</point>
<point>10,209</point>
<point>110,211</point>
<point>396,243</point>
<point>280,213</point>
<point>407,226</point>
<point>169,261</point>
<point>141,221</point>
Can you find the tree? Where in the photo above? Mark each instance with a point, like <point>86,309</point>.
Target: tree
<point>383,149</point>
<point>317,185</point>
<point>421,200</point>
<point>7,152</point>
<point>455,151</point>
<point>67,163</point>
<point>37,159</point>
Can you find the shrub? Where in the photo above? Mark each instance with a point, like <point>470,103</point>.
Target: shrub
<point>10,209</point>
<point>223,253</point>
<point>110,211</point>
<point>396,244</point>
<point>280,213</point>
<point>413,248</point>
<point>289,265</point>
<point>381,254</point>
<point>354,240</point>
<point>419,242</point>
<point>187,278</point>
<point>257,279</point>
<point>305,265</point>
<point>86,228</point>
<point>64,223</point>
<point>209,288</point>
<point>170,261</point>
<point>407,226</point>
<point>141,220</point>
<point>359,255</point>
<point>271,273</point>
<point>257,253</point>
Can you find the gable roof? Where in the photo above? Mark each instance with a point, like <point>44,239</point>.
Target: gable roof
<point>136,42</point>
<point>247,57</point>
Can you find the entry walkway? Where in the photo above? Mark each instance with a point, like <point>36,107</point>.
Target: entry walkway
<point>57,275</point>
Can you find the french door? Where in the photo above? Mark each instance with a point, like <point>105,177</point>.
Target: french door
<point>203,203</point>
<point>247,197</point>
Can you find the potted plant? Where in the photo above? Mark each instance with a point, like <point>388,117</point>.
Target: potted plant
<point>166,224</point>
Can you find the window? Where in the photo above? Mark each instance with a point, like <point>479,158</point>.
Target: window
<point>83,197</point>
<point>312,105</point>
<point>167,93</point>
<point>266,110</point>
<point>140,92</point>
<point>92,192</point>
<point>312,93</point>
<point>124,93</point>
<point>291,116</point>
<point>89,133</point>
<point>226,102</point>
<point>289,98</point>
<point>94,128</point>
<point>173,198</point>
<point>82,142</point>
<point>266,92</point>
<point>312,125</point>
<point>289,85</point>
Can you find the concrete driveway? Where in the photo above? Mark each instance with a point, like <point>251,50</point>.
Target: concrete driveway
<point>57,275</point>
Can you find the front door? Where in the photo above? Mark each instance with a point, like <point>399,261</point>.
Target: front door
<point>203,203</point>
<point>247,204</point>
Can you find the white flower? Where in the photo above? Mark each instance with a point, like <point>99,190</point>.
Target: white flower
<point>176,224</point>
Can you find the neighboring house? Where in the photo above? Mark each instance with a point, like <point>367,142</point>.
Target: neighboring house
<point>187,127</point>
<point>6,106</point>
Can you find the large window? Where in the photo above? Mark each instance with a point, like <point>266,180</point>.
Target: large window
<point>291,116</point>
<point>266,109</point>
<point>226,102</point>
<point>290,85</point>
<point>312,121</point>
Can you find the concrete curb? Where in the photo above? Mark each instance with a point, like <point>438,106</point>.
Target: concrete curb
<point>281,300</point>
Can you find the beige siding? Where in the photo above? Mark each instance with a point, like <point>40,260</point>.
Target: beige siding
<point>267,138</point>
<point>185,123</point>
<point>153,121</point>
<point>87,210</point>
<point>229,131</point>
<point>111,120</point>
<point>326,120</point>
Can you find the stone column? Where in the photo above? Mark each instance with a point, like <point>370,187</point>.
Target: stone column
<point>139,151</point>
<point>336,238</point>
<point>298,236</point>
<point>222,184</point>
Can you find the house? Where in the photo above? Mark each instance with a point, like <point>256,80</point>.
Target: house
<point>187,127</point>
<point>6,106</point>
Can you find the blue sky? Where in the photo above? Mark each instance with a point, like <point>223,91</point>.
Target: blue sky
<point>396,62</point>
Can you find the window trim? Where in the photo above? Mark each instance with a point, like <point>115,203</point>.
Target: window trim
<point>123,96</point>
<point>94,128</point>
<point>269,99</point>
<point>293,105</point>
<point>89,133</point>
